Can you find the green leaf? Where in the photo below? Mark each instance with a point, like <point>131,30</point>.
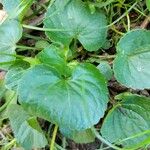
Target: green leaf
<point>10,5</point>
<point>14,74</point>
<point>75,21</point>
<point>41,44</point>
<point>16,8</point>
<point>86,136</point>
<point>105,69</point>
<point>148,4</point>
<point>10,97</point>
<point>2,88</point>
<point>54,57</point>
<point>76,102</point>
<point>26,129</point>
<point>128,118</point>
<point>10,33</point>
<point>132,63</point>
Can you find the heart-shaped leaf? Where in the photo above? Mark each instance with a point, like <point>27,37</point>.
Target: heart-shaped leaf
<point>128,119</point>
<point>75,21</point>
<point>76,102</point>
<point>26,128</point>
<point>10,33</point>
<point>132,64</point>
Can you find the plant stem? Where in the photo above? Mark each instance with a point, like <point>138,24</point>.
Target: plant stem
<point>103,57</point>
<point>10,144</point>
<point>104,141</point>
<point>25,47</point>
<point>128,20</point>
<point>26,35</point>
<point>59,147</point>
<point>64,142</point>
<point>145,22</point>
<point>42,29</point>
<point>122,16</point>
<point>11,55</point>
<point>103,4</point>
<point>53,137</point>
<point>118,32</point>
<point>134,136</point>
<point>7,103</point>
<point>66,51</point>
<point>51,2</point>
<point>6,63</point>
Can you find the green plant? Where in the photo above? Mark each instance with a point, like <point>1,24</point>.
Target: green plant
<point>148,4</point>
<point>73,95</point>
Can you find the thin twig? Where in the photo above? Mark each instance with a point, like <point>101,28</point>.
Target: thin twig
<point>103,56</point>
<point>145,22</point>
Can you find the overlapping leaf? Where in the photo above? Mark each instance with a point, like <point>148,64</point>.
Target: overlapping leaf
<point>10,33</point>
<point>26,129</point>
<point>16,8</point>
<point>105,69</point>
<point>74,20</point>
<point>85,136</point>
<point>128,119</point>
